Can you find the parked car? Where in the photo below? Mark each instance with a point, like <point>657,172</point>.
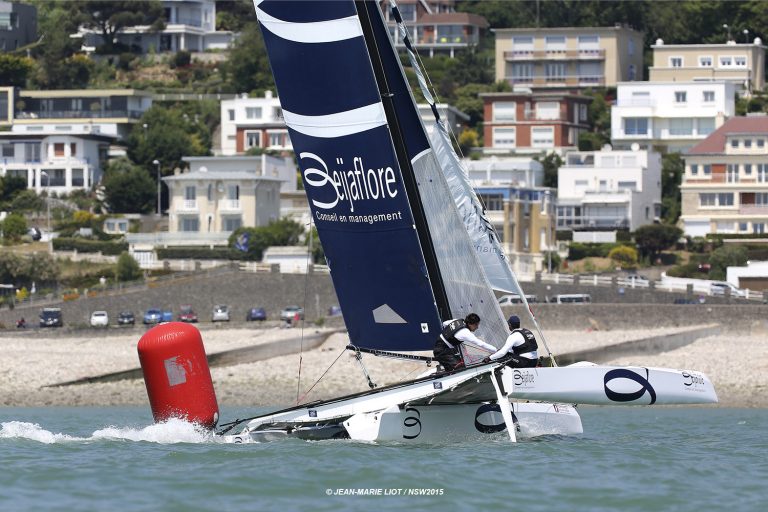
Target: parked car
<point>187,314</point>
<point>126,318</point>
<point>256,314</point>
<point>289,313</point>
<point>34,233</point>
<point>719,288</point>
<point>634,280</point>
<point>572,298</point>
<point>506,300</point>
<point>166,316</point>
<point>99,319</point>
<point>153,316</point>
<point>51,317</point>
<point>220,313</point>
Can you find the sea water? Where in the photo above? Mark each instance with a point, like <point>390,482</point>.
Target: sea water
<point>115,458</point>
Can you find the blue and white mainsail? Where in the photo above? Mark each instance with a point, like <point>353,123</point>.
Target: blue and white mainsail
<point>400,258</point>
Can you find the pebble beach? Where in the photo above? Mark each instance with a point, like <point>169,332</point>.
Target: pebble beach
<point>32,364</point>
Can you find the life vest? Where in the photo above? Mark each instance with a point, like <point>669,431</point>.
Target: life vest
<point>529,345</point>
<point>449,332</point>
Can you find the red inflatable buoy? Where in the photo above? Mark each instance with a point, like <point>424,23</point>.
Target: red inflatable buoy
<point>176,373</point>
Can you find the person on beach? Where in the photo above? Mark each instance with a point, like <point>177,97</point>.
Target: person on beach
<point>520,349</point>
<point>455,332</point>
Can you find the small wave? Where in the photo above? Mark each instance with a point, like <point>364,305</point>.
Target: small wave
<point>168,432</point>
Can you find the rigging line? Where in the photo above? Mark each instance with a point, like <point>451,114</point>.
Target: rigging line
<point>304,307</point>
<point>298,401</point>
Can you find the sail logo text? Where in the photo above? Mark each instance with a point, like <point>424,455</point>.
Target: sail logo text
<point>352,185</point>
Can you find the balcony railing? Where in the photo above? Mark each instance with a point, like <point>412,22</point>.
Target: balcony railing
<point>188,205</point>
<point>560,79</point>
<point>230,204</point>
<point>77,114</point>
<point>753,209</point>
<point>580,54</point>
<point>594,222</point>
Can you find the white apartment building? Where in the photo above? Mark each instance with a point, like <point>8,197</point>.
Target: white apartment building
<point>253,123</point>
<point>743,64</point>
<point>518,171</point>
<point>190,25</point>
<point>609,189</point>
<point>669,116</point>
<point>58,164</point>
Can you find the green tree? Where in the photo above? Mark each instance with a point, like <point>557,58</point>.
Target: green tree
<point>128,188</point>
<point>27,201</point>
<point>247,69</point>
<point>468,139</point>
<point>282,232</point>
<point>14,227</point>
<point>111,16</point>
<point>672,169</point>
<point>14,70</point>
<point>726,256</point>
<point>624,256</point>
<point>127,268</point>
<point>58,22</point>
<point>551,163</point>
<point>651,239</point>
<point>10,186</point>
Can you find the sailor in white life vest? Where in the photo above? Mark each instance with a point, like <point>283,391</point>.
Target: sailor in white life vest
<point>455,332</point>
<point>520,348</point>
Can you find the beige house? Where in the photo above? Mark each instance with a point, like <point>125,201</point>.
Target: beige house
<point>725,186</point>
<point>741,63</point>
<point>569,57</point>
<point>218,195</point>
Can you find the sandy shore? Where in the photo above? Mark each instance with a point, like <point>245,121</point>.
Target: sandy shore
<point>736,363</point>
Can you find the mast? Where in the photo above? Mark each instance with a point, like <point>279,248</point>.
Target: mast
<point>409,177</point>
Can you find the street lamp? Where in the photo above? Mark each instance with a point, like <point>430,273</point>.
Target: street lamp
<point>548,198</point>
<point>48,197</point>
<point>157,163</point>
<point>728,29</point>
<point>746,35</point>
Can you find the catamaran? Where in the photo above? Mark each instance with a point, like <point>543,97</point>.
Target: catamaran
<point>409,247</point>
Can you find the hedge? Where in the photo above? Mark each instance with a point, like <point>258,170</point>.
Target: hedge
<point>84,245</point>
<point>199,253</point>
<point>578,250</point>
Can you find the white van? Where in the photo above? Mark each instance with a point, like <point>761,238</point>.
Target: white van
<point>506,300</point>
<point>572,298</point>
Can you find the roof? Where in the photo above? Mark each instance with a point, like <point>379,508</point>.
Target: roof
<point>220,175</point>
<point>715,143</point>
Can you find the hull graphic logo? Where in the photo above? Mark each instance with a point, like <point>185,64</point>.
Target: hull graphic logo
<point>353,185</point>
<point>692,380</point>
<point>622,373</point>
<point>411,422</point>
<point>495,414</point>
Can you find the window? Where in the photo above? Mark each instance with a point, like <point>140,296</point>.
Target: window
<point>734,143</point>
<point>555,42</point>
<point>547,110</point>
<point>581,183</point>
<point>583,112</point>
<point>761,198</point>
<point>8,150</point>
<point>32,151</point>
<point>522,42</point>
<point>253,112</point>
<point>278,138</point>
<point>725,199</point>
<point>492,202</point>
<point>636,126</point>
<point>189,224</point>
<point>190,193</point>
<point>522,72</point>
<point>740,62</point>
<point>726,61</point>
<point>542,137</point>
<point>681,126</point>
<point>210,192</point>
<point>761,143</point>
<point>627,185</point>
<point>707,199</point>
<point>709,96</point>
<point>631,73</point>
<point>504,138</point>
<point>252,139</point>
<point>77,178</point>
<point>590,41</point>
<point>504,111</point>
<point>706,125</point>
<point>72,149</point>
<point>680,97</point>
<point>554,71</point>
<point>233,192</point>
<point>58,149</point>
<point>748,169</point>
<point>762,173</point>
<point>675,62</point>
<point>231,223</point>
<point>589,71</point>
<point>707,169</point>
<point>732,173</point>
<point>747,143</point>
<point>231,113</point>
<point>694,169</point>
<point>742,227</point>
<point>705,61</point>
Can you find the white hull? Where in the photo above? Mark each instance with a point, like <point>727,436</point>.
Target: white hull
<point>455,423</point>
